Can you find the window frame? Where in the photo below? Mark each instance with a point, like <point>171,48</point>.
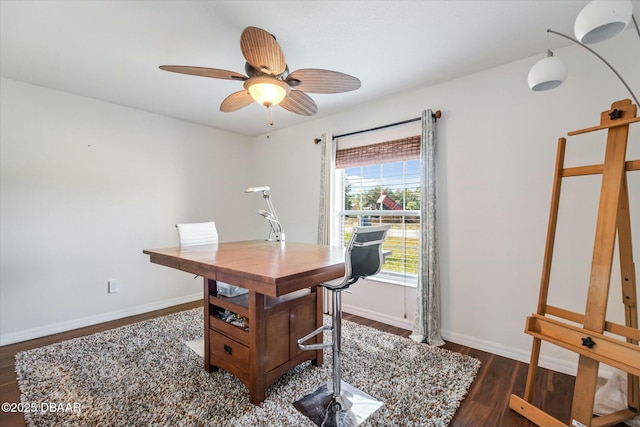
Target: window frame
<point>337,238</point>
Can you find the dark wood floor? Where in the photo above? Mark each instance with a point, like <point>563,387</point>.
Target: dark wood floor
<point>487,403</point>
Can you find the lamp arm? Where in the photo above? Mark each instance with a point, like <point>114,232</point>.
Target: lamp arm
<point>275,223</point>
<point>601,58</point>
<point>274,229</point>
<point>267,198</point>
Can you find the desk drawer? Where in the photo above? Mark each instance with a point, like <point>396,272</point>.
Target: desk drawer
<point>229,355</point>
<point>230,330</point>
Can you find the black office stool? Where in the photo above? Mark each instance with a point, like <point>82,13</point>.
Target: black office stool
<point>337,403</point>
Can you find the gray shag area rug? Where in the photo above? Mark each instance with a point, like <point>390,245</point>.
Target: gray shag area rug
<point>144,375</point>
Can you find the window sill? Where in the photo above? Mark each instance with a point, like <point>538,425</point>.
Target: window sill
<point>389,279</point>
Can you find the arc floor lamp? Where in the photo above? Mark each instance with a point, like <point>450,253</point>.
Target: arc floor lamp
<point>598,21</point>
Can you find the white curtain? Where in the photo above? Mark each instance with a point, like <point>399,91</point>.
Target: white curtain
<point>426,327</point>
<point>324,212</point>
<point>327,157</point>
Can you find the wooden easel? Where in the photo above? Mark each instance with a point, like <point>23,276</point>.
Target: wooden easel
<point>589,340</point>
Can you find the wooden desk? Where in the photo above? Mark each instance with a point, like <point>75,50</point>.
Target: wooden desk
<point>275,313</point>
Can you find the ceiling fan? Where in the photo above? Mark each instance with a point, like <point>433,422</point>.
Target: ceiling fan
<point>268,80</point>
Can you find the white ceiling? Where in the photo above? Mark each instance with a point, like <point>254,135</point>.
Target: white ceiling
<point>111,50</point>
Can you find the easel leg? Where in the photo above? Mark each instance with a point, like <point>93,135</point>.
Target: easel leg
<point>629,297</point>
<point>532,374</point>
<point>525,405</point>
<point>584,392</point>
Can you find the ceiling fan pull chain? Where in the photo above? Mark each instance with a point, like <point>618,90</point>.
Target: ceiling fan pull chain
<point>270,120</point>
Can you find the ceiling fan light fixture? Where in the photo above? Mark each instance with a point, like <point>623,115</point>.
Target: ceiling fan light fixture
<point>601,20</point>
<point>267,91</point>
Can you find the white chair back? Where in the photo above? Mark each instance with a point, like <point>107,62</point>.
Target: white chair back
<point>205,233</point>
<point>201,233</point>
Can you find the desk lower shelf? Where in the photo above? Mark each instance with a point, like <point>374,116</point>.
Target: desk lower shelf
<point>263,353</point>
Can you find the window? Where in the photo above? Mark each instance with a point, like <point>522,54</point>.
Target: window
<point>383,188</point>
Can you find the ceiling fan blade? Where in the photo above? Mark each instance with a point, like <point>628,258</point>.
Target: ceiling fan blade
<point>315,80</point>
<point>300,103</point>
<point>262,51</point>
<point>236,101</point>
<point>204,72</point>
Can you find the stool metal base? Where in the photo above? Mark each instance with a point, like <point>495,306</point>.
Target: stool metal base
<point>351,408</point>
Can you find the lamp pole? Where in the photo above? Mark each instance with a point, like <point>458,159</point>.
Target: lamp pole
<point>601,58</point>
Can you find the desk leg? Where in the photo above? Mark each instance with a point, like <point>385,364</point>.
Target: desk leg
<point>207,365</point>
<point>257,348</point>
<point>209,289</point>
<point>317,290</point>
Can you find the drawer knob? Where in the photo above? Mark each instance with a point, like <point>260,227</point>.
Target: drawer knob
<point>228,349</point>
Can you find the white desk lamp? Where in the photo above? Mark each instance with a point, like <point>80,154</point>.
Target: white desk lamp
<point>276,234</point>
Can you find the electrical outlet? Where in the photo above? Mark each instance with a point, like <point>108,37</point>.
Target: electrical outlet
<point>113,286</point>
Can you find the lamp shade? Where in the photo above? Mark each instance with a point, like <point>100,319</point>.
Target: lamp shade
<point>546,74</point>
<point>267,91</point>
<point>601,20</point>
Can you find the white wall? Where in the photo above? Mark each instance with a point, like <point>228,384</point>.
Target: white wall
<point>74,216</point>
<point>496,153</point>
<point>85,186</point>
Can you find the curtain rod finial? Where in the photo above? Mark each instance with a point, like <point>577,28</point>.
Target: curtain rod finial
<point>317,140</point>
<point>437,115</point>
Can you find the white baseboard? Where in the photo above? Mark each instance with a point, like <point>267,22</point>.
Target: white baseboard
<point>552,363</point>
<point>42,331</point>
<point>547,362</point>
<point>380,317</point>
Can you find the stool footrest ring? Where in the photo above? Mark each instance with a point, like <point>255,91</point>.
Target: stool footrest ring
<point>313,334</point>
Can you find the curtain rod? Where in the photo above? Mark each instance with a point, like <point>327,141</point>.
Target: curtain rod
<point>435,115</point>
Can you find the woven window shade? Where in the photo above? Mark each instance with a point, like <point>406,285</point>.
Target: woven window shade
<point>396,150</point>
